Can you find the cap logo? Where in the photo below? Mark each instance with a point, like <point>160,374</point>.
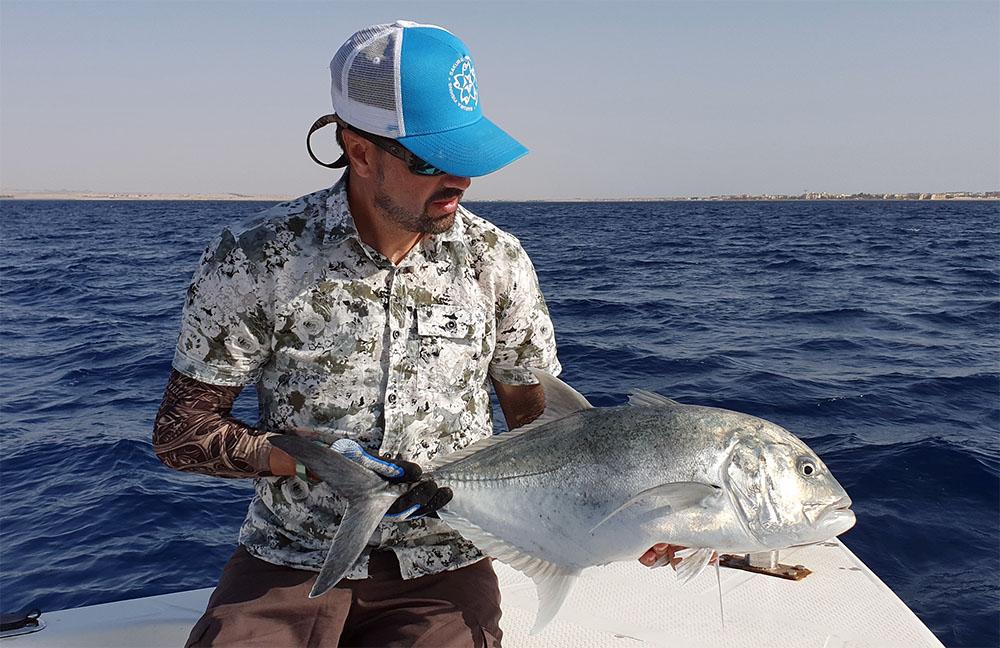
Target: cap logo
<point>463,85</point>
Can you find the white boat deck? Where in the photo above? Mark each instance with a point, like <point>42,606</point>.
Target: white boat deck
<point>842,604</point>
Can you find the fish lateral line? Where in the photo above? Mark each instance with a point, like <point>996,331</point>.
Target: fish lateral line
<point>470,477</point>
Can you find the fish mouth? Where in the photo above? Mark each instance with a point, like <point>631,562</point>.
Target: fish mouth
<point>838,516</point>
<point>842,504</point>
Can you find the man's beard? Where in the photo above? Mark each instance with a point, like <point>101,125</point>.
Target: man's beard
<point>423,222</point>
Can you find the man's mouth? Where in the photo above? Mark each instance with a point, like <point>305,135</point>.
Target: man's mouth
<point>447,203</point>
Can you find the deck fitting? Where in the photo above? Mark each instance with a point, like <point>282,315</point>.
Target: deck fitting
<point>766,563</point>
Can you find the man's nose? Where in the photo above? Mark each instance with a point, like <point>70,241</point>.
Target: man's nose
<point>455,182</point>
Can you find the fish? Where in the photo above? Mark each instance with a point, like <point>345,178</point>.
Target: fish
<point>583,486</point>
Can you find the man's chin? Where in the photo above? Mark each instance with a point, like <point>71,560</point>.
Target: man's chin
<point>438,224</point>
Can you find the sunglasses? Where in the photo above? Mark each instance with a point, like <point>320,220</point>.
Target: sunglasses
<point>395,149</point>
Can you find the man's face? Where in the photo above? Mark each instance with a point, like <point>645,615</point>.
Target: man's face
<point>416,203</point>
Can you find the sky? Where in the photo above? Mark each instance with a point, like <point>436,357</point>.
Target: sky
<point>613,99</point>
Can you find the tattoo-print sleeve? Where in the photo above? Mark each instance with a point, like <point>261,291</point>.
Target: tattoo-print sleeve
<point>194,431</point>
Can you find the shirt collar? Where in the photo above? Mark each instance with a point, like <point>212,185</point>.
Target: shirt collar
<point>339,222</point>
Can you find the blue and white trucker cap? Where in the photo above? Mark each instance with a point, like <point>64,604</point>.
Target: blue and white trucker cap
<point>417,84</point>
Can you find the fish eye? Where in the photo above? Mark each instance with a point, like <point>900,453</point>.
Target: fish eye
<point>807,467</point>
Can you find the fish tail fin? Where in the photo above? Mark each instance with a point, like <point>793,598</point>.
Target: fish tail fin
<point>356,528</point>
<point>368,495</point>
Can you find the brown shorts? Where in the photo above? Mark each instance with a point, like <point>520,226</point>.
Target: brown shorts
<point>260,604</point>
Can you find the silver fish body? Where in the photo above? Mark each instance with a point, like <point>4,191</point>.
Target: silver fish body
<point>547,493</point>
<point>584,486</point>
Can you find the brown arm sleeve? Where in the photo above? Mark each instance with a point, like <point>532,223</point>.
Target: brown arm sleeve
<point>194,431</point>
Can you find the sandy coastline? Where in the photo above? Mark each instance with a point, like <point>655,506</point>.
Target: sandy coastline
<point>96,195</point>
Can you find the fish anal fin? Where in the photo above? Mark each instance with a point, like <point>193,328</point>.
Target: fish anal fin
<point>643,398</point>
<point>668,498</point>
<point>552,582</point>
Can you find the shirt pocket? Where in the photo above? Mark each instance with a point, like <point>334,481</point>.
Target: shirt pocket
<point>451,340</point>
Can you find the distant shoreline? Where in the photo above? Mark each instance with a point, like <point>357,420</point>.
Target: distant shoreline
<point>808,196</point>
<point>96,195</point>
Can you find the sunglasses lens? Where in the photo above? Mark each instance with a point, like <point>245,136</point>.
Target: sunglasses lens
<point>416,165</point>
<point>424,168</point>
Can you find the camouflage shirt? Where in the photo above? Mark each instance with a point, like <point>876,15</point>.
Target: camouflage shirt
<point>339,340</point>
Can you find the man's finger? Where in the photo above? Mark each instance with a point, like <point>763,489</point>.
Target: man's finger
<point>666,559</point>
<point>440,498</point>
<point>660,554</point>
<point>419,495</point>
<point>411,472</point>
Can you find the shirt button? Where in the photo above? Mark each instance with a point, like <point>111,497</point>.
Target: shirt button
<point>392,398</point>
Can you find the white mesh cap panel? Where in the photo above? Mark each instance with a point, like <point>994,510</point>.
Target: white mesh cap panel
<point>365,81</point>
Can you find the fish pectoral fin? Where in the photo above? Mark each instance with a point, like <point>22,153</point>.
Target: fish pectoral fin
<point>693,561</point>
<point>643,398</point>
<point>669,498</point>
<point>356,528</point>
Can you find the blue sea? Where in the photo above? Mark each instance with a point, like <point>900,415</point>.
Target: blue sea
<point>870,329</point>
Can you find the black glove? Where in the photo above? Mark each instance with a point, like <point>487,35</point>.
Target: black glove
<point>421,500</point>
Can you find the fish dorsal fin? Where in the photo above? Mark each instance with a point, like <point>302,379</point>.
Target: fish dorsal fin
<point>667,498</point>
<point>561,400</point>
<point>553,582</point>
<point>643,398</point>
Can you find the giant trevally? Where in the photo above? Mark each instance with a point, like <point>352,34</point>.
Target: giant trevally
<point>584,486</point>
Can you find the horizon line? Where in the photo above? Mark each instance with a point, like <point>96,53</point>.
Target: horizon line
<point>62,194</point>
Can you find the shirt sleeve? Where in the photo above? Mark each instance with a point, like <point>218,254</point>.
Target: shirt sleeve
<point>227,322</point>
<point>524,334</point>
<point>195,432</point>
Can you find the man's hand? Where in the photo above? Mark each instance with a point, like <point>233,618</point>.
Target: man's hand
<point>662,554</point>
<point>423,499</point>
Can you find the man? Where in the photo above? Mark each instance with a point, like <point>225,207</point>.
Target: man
<point>376,311</point>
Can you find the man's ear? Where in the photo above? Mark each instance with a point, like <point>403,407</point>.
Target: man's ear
<point>361,153</point>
